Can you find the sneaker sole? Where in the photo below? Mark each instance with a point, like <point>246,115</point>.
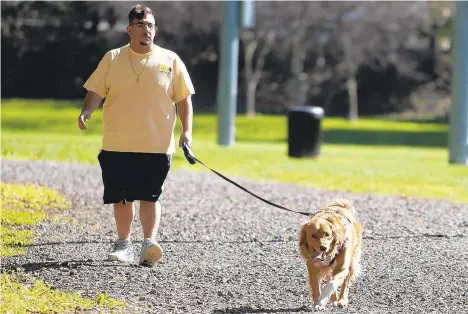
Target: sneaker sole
<point>112,258</point>
<point>152,256</point>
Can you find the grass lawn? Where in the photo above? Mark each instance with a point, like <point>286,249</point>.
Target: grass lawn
<point>371,155</point>
<point>23,207</point>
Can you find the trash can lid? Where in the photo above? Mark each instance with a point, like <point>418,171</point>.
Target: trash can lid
<point>316,111</point>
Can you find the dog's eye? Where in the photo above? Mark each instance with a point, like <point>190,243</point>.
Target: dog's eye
<point>314,236</point>
<point>327,234</point>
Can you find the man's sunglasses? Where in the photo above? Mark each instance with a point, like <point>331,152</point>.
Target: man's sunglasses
<point>141,25</point>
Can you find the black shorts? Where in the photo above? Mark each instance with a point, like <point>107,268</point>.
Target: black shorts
<point>133,176</point>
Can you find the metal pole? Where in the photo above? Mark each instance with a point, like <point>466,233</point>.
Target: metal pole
<point>228,72</point>
<point>247,14</point>
<point>458,136</point>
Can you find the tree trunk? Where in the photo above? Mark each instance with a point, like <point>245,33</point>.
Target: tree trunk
<point>351,83</point>
<point>298,55</point>
<point>302,89</point>
<point>254,73</point>
<point>250,85</point>
<point>352,98</point>
<point>298,58</point>
<point>332,90</point>
<point>251,88</point>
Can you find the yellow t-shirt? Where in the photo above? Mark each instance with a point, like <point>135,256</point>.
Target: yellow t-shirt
<point>140,116</point>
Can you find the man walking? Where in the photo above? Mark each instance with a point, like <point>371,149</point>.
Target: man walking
<point>142,85</point>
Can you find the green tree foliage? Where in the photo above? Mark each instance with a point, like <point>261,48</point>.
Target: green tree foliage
<point>50,48</point>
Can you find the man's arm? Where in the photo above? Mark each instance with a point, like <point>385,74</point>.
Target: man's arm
<point>185,111</point>
<point>91,103</point>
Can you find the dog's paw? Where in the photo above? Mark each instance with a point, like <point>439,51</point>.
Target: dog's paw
<point>319,307</point>
<point>341,303</point>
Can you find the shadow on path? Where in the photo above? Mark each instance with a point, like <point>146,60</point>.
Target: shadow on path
<point>247,309</point>
<point>71,264</point>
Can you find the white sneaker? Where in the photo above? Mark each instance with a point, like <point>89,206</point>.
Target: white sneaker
<point>151,252</point>
<point>122,252</point>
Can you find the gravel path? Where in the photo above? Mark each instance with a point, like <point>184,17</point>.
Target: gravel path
<point>227,252</point>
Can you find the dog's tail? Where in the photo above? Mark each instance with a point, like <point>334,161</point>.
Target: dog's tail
<point>343,203</point>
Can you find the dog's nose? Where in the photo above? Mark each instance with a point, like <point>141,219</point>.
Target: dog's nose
<point>323,249</point>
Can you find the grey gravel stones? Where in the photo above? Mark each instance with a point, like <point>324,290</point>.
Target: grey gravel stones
<point>227,252</point>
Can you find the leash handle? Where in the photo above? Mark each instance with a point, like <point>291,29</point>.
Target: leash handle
<point>190,156</point>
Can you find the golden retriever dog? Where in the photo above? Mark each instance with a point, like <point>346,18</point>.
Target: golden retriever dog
<point>330,242</point>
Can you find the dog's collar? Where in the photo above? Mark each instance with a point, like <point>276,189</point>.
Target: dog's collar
<point>329,211</point>
<point>340,249</point>
<point>316,212</point>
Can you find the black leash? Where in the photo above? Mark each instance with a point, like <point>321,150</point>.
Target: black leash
<point>192,160</point>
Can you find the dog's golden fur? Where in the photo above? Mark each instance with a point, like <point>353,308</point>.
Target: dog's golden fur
<point>331,242</point>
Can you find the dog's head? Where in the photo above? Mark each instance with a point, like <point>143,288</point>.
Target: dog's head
<point>321,236</point>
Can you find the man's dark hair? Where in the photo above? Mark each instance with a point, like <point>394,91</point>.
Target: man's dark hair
<point>138,12</point>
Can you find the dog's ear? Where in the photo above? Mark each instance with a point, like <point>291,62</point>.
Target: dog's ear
<point>338,232</point>
<point>303,240</point>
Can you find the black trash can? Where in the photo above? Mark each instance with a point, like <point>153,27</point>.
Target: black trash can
<point>304,131</point>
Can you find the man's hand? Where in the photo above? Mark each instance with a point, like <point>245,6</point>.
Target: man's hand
<point>91,103</point>
<point>84,117</point>
<point>186,137</point>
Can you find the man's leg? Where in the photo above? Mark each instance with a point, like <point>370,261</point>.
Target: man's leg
<point>123,214</point>
<point>150,215</point>
<point>113,165</point>
<point>123,248</point>
<point>155,168</point>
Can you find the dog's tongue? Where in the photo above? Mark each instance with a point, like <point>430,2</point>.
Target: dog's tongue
<point>320,255</point>
<point>315,255</point>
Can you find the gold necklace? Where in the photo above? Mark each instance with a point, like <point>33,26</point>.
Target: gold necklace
<point>144,66</point>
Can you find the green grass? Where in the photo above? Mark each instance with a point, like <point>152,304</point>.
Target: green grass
<point>22,293</point>
<point>23,207</point>
<point>371,155</point>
